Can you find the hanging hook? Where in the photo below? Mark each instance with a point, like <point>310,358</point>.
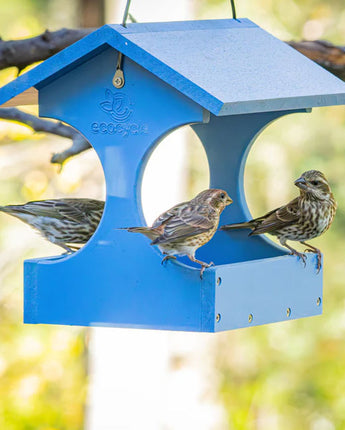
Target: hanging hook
<point>233,8</point>
<point>119,78</point>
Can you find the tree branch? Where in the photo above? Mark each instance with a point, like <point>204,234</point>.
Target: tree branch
<point>79,144</point>
<point>22,53</point>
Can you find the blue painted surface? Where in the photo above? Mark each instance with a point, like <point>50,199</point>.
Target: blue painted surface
<point>266,289</point>
<point>117,278</point>
<point>226,66</point>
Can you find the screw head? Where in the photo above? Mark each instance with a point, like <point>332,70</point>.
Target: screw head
<point>250,318</point>
<point>218,317</point>
<point>288,312</point>
<point>118,81</point>
<point>219,281</point>
<point>318,301</point>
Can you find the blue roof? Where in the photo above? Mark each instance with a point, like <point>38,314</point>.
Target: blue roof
<point>226,66</point>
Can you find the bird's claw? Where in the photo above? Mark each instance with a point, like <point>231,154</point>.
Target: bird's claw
<point>319,258</point>
<point>168,257</point>
<point>319,263</point>
<point>308,250</point>
<point>301,256</point>
<point>205,266</point>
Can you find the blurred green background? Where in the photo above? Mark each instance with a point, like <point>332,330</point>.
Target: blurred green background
<point>282,376</point>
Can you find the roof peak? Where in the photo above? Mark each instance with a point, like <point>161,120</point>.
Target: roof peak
<point>206,24</point>
<point>227,66</point>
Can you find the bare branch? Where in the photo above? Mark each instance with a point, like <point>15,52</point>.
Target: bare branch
<point>79,144</point>
<point>327,55</point>
<point>22,53</point>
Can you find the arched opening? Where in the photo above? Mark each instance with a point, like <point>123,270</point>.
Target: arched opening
<point>284,150</point>
<point>27,175</point>
<point>176,171</point>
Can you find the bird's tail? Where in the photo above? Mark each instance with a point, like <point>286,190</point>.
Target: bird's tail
<point>248,224</point>
<point>18,212</point>
<point>9,209</point>
<point>146,231</point>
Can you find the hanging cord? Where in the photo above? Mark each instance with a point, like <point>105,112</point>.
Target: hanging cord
<point>131,17</point>
<point>119,78</point>
<point>125,14</point>
<point>233,8</point>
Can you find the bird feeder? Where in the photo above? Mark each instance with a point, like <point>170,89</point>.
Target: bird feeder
<point>227,79</point>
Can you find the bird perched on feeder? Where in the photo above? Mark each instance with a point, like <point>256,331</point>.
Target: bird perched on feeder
<point>68,223</point>
<point>304,218</point>
<point>187,226</point>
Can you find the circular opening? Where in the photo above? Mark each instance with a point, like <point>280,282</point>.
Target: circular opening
<point>176,171</point>
<point>318,301</point>
<point>288,312</point>
<point>286,148</point>
<point>250,318</point>
<point>219,281</point>
<point>28,175</point>
<point>218,318</point>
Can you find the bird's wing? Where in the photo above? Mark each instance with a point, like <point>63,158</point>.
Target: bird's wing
<point>165,216</point>
<point>187,221</point>
<point>72,209</point>
<point>278,218</point>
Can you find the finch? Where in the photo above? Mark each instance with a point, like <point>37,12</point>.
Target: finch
<point>304,218</point>
<point>187,226</point>
<point>68,223</point>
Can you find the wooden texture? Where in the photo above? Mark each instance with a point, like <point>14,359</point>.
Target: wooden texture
<point>27,97</point>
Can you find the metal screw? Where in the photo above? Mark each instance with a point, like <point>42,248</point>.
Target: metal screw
<point>318,301</point>
<point>250,318</point>
<point>118,82</point>
<point>288,312</point>
<point>219,281</point>
<point>218,318</point>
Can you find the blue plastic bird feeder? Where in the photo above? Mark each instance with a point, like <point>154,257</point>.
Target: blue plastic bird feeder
<point>227,79</point>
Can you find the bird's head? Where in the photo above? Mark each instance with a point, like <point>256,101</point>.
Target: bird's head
<point>218,199</point>
<point>314,183</point>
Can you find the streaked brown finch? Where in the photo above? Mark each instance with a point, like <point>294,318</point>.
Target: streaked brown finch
<point>68,223</point>
<point>187,226</point>
<point>304,218</point>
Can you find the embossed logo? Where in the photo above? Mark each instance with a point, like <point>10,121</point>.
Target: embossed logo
<point>117,106</point>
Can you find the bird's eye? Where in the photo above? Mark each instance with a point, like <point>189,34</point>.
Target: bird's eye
<point>316,183</point>
<point>222,196</point>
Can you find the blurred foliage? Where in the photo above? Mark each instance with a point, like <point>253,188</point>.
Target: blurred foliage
<point>281,376</point>
<point>43,369</point>
<point>291,375</point>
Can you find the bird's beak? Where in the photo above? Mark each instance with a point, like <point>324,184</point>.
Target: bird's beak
<point>229,200</point>
<point>301,183</point>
